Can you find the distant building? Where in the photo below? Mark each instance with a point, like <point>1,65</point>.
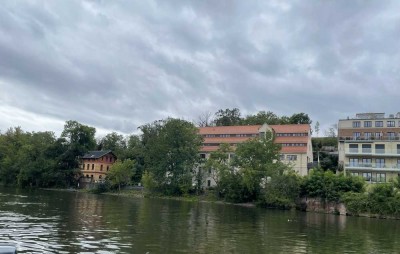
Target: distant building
<point>369,146</point>
<point>295,140</point>
<point>95,165</point>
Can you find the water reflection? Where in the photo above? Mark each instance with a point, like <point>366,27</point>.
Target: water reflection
<point>62,222</point>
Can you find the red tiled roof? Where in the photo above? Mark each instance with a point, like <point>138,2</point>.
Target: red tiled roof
<point>243,129</point>
<point>291,128</point>
<point>213,148</point>
<point>226,140</point>
<point>294,149</point>
<point>300,139</point>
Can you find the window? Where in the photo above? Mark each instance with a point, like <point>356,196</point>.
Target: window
<point>368,135</point>
<point>381,177</point>
<point>101,167</point>
<point>398,163</point>
<point>367,176</point>
<point>380,163</point>
<point>91,176</point>
<point>366,148</point>
<point>282,157</point>
<point>202,155</point>
<point>356,135</point>
<point>379,148</point>
<point>398,149</point>
<point>353,162</point>
<point>367,162</point>
<point>390,124</point>
<point>368,124</point>
<point>108,167</point>
<point>100,176</point>
<point>87,176</point>
<point>208,183</point>
<point>353,148</point>
<point>356,124</point>
<point>209,170</point>
<point>92,166</point>
<point>354,173</point>
<point>391,135</point>
<point>379,124</point>
<point>291,157</point>
<point>87,167</point>
<point>378,135</point>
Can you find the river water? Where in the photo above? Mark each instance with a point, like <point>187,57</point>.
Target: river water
<point>39,221</point>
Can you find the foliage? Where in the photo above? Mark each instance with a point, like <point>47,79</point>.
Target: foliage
<point>282,191</point>
<point>121,172</point>
<point>114,142</point>
<point>149,184</point>
<point>329,186</point>
<point>170,153</point>
<point>260,118</point>
<point>227,117</point>
<point>300,118</point>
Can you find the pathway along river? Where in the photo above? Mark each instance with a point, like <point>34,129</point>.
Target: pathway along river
<point>39,221</point>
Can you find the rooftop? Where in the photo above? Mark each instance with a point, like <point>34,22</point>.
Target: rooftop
<point>97,154</point>
<point>372,116</point>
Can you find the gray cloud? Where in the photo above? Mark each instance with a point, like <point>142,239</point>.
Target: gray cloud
<point>118,65</point>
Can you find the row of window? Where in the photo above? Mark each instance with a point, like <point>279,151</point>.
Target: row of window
<point>368,124</point>
<point>293,144</point>
<point>289,157</point>
<point>367,162</point>
<point>380,177</point>
<point>376,135</point>
<point>291,134</point>
<point>91,176</point>
<point>367,148</point>
<point>106,159</point>
<point>88,167</point>
<point>228,135</point>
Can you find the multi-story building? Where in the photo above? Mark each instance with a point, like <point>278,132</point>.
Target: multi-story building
<point>369,146</point>
<point>95,165</point>
<point>295,140</point>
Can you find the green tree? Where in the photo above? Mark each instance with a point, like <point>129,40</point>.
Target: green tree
<point>260,118</point>
<point>316,128</point>
<point>300,118</point>
<point>120,173</point>
<point>114,142</point>
<point>227,117</point>
<point>171,149</point>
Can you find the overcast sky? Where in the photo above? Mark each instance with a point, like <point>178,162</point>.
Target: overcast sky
<point>116,65</point>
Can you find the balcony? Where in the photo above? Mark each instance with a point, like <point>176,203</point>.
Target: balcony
<point>373,167</point>
<point>368,139</point>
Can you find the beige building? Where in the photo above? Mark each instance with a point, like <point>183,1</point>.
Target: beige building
<point>95,165</point>
<point>295,140</point>
<point>369,146</point>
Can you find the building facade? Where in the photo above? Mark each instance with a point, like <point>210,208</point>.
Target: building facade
<point>295,140</point>
<point>369,146</point>
<point>95,165</point>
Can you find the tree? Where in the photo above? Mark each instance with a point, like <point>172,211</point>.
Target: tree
<point>300,118</point>
<point>204,120</point>
<point>258,159</point>
<point>227,117</point>
<point>171,149</point>
<point>260,118</point>
<point>332,131</point>
<point>316,128</point>
<point>121,173</point>
<point>218,163</point>
<point>114,142</point>
<point>76,139</point>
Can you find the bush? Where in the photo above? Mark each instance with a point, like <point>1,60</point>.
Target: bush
<point>329,186</point>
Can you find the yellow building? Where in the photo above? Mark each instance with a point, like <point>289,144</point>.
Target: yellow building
<point>369,146</point>
<point>96,164</point>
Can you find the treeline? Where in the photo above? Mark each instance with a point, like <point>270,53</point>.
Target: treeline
<point>229,117</point>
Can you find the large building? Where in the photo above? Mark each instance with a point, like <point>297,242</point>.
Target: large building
<point>295,140</point>
<point>369,146</point>
<point>95,165</point>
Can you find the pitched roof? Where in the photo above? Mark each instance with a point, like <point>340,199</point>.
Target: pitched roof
<point>226,140</point>
<point>300,139</point>
<point>291,128</point>
<point>294,149</point>
<point>97,154</point>
<point>242,129</point>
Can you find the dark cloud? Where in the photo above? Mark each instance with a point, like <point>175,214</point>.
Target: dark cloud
<point>118,65</point>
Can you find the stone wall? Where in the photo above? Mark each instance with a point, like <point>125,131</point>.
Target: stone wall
<point>321,206</point>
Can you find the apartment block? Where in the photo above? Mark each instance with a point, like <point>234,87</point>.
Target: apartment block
<point>295,140</point>
<point>95,165</point>
<point>369,146</point>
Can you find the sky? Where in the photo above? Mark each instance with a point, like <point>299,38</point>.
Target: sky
<point>117,65</point>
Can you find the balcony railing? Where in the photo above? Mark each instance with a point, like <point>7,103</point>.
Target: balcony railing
<point>372,138</point>
<point>373,165</point>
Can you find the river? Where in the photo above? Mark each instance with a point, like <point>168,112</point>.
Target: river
<point>42,221</point>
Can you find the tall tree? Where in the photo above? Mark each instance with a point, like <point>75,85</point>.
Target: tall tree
<point>316,128</point>
<point>114,142</point>
<point>204,120</point>
<point>260,118</point>
<point>171,149</point>
<point>121,173</point>
<point>300,118</point>
<point>227,117</point>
